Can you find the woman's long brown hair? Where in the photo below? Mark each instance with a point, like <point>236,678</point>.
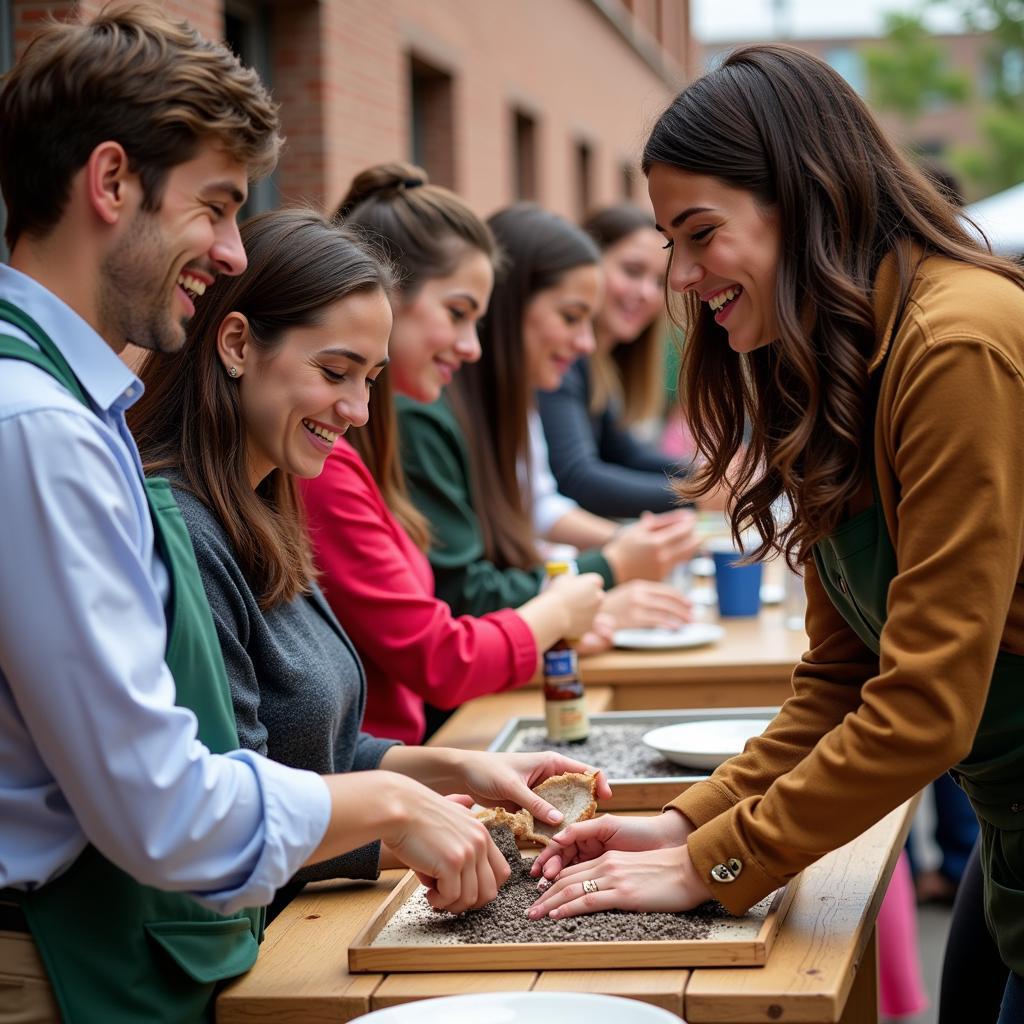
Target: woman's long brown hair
<point>784,126</point>
<point>491,398</point>
<point>189,421</point>
<point>631,373</point>
<point>425,230</point>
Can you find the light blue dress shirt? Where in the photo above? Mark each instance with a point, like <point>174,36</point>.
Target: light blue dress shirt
<point>92,746</point>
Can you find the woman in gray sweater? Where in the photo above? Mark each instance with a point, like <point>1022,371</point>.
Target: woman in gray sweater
<point>277,364</point>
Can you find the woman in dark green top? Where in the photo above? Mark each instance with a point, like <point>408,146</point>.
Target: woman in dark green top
<point>464,454</point>
<point>278,363</point>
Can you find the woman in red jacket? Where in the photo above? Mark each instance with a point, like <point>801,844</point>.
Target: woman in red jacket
<point>368,538</point>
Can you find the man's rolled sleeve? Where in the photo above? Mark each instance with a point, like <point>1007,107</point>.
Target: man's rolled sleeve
<point>296,813</point>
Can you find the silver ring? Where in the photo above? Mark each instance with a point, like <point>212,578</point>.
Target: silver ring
<point>590,885</point>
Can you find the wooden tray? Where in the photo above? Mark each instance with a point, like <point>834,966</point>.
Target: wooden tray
<point>363,956</point>
<point>638,794</point>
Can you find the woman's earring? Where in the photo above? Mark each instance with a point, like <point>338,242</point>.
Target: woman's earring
<point>232,371</point>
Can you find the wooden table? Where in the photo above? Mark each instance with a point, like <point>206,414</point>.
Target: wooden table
<point>820,971</point>
<point>750,667</point>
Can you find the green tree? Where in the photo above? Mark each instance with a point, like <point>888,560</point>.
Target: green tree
<point>910,72</point>
<point>999,163</point>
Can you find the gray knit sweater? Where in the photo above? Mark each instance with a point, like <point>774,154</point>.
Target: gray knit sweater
<point>296,680</point>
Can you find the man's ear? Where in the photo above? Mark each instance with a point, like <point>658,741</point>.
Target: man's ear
<point>233,346</point>
<point>109,183</point>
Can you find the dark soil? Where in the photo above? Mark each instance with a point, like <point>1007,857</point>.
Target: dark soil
<point>505,919</point>
<point>618,750</point>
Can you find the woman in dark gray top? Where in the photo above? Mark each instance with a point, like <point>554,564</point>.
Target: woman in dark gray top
<point>596,459</point>
<point>277,364</point>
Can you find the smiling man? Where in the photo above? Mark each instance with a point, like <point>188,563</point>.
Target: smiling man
<point>132,834</point>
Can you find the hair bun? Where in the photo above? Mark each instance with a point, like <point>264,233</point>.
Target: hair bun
<point>383,182</point>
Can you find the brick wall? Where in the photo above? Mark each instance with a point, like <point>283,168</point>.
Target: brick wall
<point>341,71</point>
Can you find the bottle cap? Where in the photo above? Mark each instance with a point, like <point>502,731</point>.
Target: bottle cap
<point>559,568</point>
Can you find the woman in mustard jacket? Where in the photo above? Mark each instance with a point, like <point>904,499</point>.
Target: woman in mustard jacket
<point>835,299</point>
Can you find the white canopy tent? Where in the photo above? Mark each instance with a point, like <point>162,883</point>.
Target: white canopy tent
<point>1001,217</point>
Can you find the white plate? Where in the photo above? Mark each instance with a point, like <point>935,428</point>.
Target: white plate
<point>522,1008</point>
<point>772,593</point>
<point>707,743</point>
<point>694,634</point>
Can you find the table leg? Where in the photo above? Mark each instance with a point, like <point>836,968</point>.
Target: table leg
<point>862,1004</point>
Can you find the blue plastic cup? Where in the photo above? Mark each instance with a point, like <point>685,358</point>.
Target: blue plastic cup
<point>739,586</point>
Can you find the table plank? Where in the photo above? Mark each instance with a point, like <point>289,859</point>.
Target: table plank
<point>822,945</point>
<point>662,987</point>
<point>406,988</point>
<point>758,649</point>
<point>301,975</point>
<point>478,721</point>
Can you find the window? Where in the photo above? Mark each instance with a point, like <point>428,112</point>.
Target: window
<point>584,193</point>
<point>524,156</point>
<point>849,63</point>
<point>246,33</point>
<point>432,132</point>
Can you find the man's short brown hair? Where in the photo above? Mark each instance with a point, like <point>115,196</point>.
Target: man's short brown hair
<point>134,76</point>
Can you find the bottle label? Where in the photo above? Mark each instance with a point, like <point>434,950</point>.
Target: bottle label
<point>566,719</point>
<point>560,664</point>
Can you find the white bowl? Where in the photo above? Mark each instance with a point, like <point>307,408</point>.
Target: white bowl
<point>522,1008</point>
<point>704,743</point>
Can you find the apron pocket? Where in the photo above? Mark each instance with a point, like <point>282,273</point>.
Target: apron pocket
<point>207,951</point>
<point>1005,894</point>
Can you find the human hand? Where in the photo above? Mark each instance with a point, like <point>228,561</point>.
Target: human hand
<point>506,780</point>
<point>653,545</point>
<point>648,880</point>
<point>643,604</point>
<point>451,852</point>
<point>599,637</point>
<point>588,840</point>
<point>580,596</point>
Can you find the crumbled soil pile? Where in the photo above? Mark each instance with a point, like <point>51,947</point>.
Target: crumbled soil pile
<point>618,750</point>
<point>505,841</point>
<point>504,920</point>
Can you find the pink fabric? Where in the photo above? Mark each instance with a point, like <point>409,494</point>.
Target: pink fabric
<point>381,587</point>
<point>676,439</point>
<point>900,987</point>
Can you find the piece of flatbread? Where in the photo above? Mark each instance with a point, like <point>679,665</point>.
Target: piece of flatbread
<point>521,823</point>
<point>574,794</point>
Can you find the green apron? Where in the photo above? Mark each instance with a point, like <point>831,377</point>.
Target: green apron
<point>117,951</point>
<point>856,565</point>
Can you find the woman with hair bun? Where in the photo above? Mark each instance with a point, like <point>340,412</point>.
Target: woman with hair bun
<point>471,458</point>
<point>590,419</point>
<point>368,538</point>
<point>836,302</point>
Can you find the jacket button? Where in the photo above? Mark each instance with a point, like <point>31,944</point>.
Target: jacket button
<point>720,873</point>
<point>735,866</point>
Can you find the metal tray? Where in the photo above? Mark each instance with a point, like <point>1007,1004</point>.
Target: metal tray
<point>632,792</point>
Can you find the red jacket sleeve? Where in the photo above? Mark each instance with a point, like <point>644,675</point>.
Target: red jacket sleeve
<point>380,586</point>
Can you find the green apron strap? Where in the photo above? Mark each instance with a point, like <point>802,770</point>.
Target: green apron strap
<point>117,951</point>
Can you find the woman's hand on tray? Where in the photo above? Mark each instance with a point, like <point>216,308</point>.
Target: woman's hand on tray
<point>588,840</point>
<point>447,847</point>
<point>505,780</point>
<point>647,880</point>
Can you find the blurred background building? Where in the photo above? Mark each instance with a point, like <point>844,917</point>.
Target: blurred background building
<point>536,99</point>
<point>550,99</point>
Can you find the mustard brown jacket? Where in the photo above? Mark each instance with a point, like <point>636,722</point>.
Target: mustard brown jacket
<point>862,733</point>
